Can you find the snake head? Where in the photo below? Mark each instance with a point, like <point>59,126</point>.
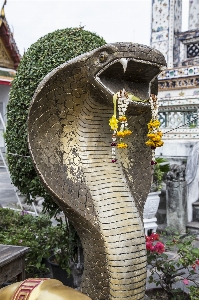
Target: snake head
<point>133,67</point>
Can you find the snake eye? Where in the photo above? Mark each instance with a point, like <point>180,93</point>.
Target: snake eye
<point>103,56</point>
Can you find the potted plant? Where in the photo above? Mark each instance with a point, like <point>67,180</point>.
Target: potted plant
<point>152,202</point>
<point>174,260</point>
<point>36,232</point>
<point>54,247</point>
<point>160,168</point>
<point>66,262</point>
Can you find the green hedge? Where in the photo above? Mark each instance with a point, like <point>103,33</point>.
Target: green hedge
<point>37,233</point>
<point>47,53</point>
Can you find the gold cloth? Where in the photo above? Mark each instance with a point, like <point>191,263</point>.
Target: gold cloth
<point>26,287</point>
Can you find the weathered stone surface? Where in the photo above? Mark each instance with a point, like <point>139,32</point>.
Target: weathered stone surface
<point>176,198</point>
<point>69,140</point>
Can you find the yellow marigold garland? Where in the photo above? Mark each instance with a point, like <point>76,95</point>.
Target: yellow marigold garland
<point>154,135</point>
<point>122,119</point>
<point>120,100</point>
<point>122,145</point>
<point>113,122</point>
<point>124,133</point>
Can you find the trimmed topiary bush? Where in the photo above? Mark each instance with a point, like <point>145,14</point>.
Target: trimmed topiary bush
<point>41,236</point>
<point>42,57</point>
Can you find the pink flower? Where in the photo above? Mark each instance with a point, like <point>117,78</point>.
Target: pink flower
<point>185,281</point>
<point>149,246</point>
<point>159,247</point>
<point>197,262</point>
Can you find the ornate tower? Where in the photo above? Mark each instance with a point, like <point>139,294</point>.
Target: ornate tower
<point>166,22</point>
<point>178,85</point>
<point>193,14</point>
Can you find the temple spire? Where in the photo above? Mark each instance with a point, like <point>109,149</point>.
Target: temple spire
<point>2,14</point>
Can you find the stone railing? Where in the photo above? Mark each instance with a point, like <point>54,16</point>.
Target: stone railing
<point>179,117</point>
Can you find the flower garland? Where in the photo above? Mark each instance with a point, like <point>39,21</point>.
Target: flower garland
<point>119,125</point>
<point>154,134</point>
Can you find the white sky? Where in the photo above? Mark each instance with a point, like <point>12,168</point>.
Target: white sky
<point>115,21</point>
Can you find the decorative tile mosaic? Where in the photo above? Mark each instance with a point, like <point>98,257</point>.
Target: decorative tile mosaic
<point>185,101</point>
<point>177,26</point>
<point>181,94</point>
<point>166,20</point>
<point>178,15</point>
<point>181,134</point>
<point>160,25</point>
<point>179,72</point>
<point>193,14</point>
<point>69,139</point>
<point>162,46</point>
<point>160,13</point>
<point>181,53</point>
<point>189,82</point>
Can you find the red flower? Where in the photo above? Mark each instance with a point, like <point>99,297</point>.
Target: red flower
<point>152,245</point>
<point>149,246</point>
<point>153,237</point>
<point>197,262</point>
<point>159,247</point>
<point>147,238</point>
<point>157,237</point>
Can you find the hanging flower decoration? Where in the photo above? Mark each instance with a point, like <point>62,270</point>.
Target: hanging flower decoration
<point>120,125</point>
<point>113,122</point>
<point>122,145</point>
<point>154,134</point>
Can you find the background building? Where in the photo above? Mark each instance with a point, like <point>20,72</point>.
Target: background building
<point>179,84</point>
<point>179,93</point>
<point>9,61</point>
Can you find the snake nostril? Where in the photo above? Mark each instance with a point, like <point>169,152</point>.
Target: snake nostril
<point>103,56</point>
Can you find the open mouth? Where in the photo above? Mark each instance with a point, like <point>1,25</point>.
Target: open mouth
<point>128,74</point>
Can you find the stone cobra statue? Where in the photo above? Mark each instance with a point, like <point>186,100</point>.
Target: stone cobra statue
<point>69,140</point>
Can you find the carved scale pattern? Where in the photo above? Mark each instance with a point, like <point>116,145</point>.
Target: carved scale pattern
<point>69,139</point>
